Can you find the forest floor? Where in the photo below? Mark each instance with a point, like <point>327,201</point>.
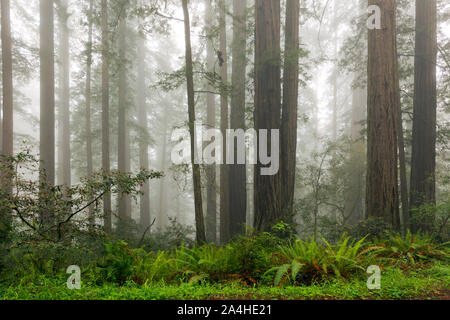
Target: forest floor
<point>425,283</point>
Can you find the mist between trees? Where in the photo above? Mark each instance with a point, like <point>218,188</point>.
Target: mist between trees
<point>97,96</point>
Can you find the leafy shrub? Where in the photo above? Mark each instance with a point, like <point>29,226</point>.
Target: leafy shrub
<point>371,228</point>
<point>117,265</point>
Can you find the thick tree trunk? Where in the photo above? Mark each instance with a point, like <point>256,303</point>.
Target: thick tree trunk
<point>382,198</point>
<point>199,221</point>
<point>64,176</point>
<point>47,115</point>
<point>89,160</point>
<point>143,141</point>
<point>211,189</point>
<point>105,113</point>
<point>290,108</point>
<point>224,125</point>
<point>268,195</point>
<point>47,104</point>
<point>163,218</point>
<point>423,162</point>
<point>237,178</point>
<point>124,199</point>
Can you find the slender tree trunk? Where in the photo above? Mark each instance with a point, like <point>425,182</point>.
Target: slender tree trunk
<point>290,108</point>
<point>8,111</point>
<point>423,161</point>
<point>123,132</point>
<point>224,125</point>
<point>382,199</point>
<point>211,190</point>
<point>143,127</point>
<point>237,178</point>
<point>105,113</point>
<point>268,195</point>
<point>163,213</point>
<point>199,221</point>
<point>64,177</point>
<point>47,103</point>
<point>89,161</point>
<point>7,81</point>
<point>402,159</point>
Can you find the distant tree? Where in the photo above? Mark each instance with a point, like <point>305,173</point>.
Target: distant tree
<point>105,112</point>
<point>64,172</point>
<point>47,103</point>
<point>382,196</point>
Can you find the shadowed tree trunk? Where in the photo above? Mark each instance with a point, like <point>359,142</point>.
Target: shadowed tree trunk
<point>382,198</point>
<point>224,125</point>
<point>105,113</point>
<point>211,189</point>
<point>423,160</point>
<point>89,161</point>
<point>143,127</point>
<point>124,199</point>
<point>64,177</point>
<point>268,196</point>
<point>290,108</point>
<point>199,221</point>
<point>237,178</point>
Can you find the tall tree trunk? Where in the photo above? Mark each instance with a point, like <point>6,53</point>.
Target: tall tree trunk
<point>224,125</point>
<point>7,81</point>
<point>423,161</point>
<point>64,177</point>
<point>163,213</point>
<point>290,107</point>
<point>143,127</point>
<point>123,132</point>
<point>47,102</point>
<point>199,221</point>
<point>237,178</point>
<point>8,113</point>
<point>89,161</point>
<point>382,199</point>
<point>211,189</point>
<point>268,195</point>
<point>105,113</point>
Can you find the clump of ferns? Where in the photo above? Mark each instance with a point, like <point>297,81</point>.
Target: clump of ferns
<point>312,261</point>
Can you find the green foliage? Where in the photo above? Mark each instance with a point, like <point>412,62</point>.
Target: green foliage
<point>410,249</point>
<point>117,264</point>
<point>311,261</point>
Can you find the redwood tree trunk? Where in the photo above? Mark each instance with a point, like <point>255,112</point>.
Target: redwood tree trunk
<point>423,161</point>
<point>382,198</point>
<point>143,143</point>
<point>290,108</point>
<point>64,177</point>
<point>224,125</point>
<point>199,221</point>
<point>267,107</point>
<point>238,182</point>
<point>105,113</point>
<point>211,189</point>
